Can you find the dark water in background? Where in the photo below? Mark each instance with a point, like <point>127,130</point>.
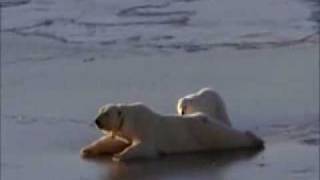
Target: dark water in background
<point>165,25</point>
<point>315,14</point>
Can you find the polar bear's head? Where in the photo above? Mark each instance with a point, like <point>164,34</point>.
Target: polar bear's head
<point>109,118</point>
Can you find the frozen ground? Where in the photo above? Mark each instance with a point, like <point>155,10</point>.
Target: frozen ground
<point>61,60</point>
<point>51,92</point>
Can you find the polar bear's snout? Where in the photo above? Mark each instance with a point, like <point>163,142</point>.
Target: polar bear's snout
<point>101,122</point>
<point>98,124</point>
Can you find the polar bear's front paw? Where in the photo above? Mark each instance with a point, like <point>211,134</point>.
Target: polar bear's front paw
<point>121,156</point>
<point>116,158</point>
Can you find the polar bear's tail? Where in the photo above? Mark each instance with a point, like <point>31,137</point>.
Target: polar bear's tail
<point>258,143</point>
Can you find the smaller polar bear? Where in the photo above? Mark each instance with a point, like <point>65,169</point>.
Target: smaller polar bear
<point>150,134</point>
<point>206,101</point>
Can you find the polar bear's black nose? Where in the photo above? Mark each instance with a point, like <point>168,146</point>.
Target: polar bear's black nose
<point>98,123</point>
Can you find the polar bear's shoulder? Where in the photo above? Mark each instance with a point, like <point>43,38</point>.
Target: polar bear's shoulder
<point>206,89</point>
<point>207,92</point>
<point>135,104</point>
<point>202,94</point>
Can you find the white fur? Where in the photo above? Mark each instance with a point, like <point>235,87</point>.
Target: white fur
<point>206,101</point>
<point>152,133</point>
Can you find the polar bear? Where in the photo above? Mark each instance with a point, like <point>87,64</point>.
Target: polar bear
<point>150,134</point>
<point>206,101</point>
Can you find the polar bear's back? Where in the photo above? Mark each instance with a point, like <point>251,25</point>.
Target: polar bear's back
<point>174,134</point>
<point>196,132</point>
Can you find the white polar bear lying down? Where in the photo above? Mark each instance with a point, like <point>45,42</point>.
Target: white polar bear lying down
<point>150,134</point>
<point>206,101</point>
